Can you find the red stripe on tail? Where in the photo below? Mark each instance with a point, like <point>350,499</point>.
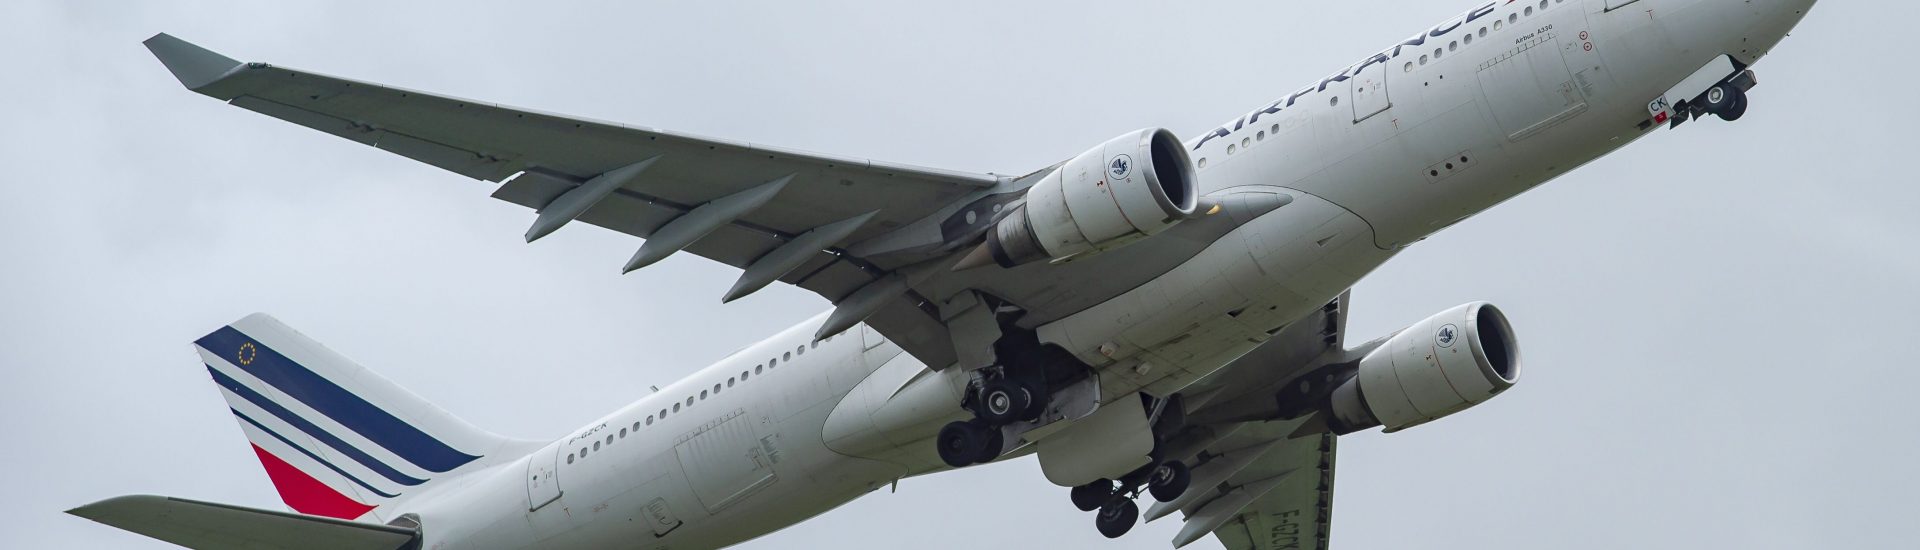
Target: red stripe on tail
<point>305,494</point>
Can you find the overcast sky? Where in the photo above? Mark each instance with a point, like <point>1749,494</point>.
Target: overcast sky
<point>1719,322</point>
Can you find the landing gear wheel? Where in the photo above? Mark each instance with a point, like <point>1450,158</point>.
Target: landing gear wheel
<point>1004,402</point>
<point>1726,101</point>
<point>1117,517</point>
<point>1738,110</point>
<point>1089,497</point>
<point>962,443</point>
<point>995,441</point>
<point>1169,480</point>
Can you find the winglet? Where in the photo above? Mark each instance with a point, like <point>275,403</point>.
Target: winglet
<point>196,67</point>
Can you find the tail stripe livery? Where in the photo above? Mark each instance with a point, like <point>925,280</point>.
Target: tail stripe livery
<point>334,401</point>
<point>336,439</point>
<point>316,458</point>
<point>309,428</point>
<point>305,494</point>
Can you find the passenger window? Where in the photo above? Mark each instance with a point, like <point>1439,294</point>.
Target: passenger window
<point>663,413</point>
<point>609,439</point>
<point>596,445</point>
<point>649,420</point>
<point>716,389</point>
<point>689,400</point>
<point>1409,66</point>
<point>771,363</point>
<point>1261,135</point>
<point>1202,163</point>
<point>730,382</point>
<point>786,356</point>
<point>802,350</point>
<point>1467,39</point>
<point>636,427</point>
<point>1514,18</point>
<point>1248,142</point>
<point>1529,11</point>
<point>676,407</point>
<point>703,395</point>
<point>1483,32</point>
<point>757,369</point>
<point>1454,46</point>
<point>623,433</point>
<point>1496,25</point>
<point>816,344</point>
<point>569,459</point>
<point>1231,149</point>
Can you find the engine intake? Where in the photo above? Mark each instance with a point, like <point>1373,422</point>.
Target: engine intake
<point>1129,188</point>
<point>1442,365</point>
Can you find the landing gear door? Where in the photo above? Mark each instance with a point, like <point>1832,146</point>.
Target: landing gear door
<point>543,477</point>
<point>1369,92</point>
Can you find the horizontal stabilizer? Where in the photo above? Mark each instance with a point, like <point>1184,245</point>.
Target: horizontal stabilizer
<point>195,524</point>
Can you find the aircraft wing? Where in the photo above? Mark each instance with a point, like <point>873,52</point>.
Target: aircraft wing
<point>778,214</point>
<point>1278,495</point>
<point>195,524</point>
<point>1263,485</point>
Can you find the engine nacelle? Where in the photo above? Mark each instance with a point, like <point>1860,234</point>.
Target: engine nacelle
<point>1442,365</point>
<point>1128,188</point>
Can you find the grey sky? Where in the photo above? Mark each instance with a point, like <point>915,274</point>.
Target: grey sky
<point>1718,322</point>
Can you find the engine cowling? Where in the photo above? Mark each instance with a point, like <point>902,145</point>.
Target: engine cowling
<point>1442,365</point>
<point>1126,189</point>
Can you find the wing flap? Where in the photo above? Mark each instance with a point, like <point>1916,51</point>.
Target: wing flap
<point>206,525</point>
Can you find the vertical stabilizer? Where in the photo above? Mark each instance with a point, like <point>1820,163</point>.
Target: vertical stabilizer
<point>336,439</point>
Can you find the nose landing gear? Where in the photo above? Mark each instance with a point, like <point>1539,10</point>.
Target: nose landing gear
<point>1726,101</point>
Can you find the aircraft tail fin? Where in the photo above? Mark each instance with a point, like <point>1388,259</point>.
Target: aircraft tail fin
<point>206,525</point>
<point>336,439</point>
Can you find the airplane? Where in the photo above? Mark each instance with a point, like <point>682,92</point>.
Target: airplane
<point>1150,318</point>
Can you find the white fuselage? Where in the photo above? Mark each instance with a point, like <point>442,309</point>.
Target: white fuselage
<point>1378,156</point>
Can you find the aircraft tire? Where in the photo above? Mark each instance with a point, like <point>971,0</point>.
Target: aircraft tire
<point>1089,497</point>
<point>1117,517</point>
<point>961,443</point>
<point>1739,109</point>
<point>1003,402</point>
<point>1169,481</point>
<point>1724,100</point>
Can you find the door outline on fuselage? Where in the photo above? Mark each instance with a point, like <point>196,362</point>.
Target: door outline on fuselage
<point>723,461</point>
<point>1617,4</point>
<point>1368,92</point>
<point>543,477</point>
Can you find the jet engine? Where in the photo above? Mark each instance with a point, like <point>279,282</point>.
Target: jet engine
<point>1442,365</point>
<point>1126,189</point>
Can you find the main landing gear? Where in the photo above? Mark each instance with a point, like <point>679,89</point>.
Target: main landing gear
<point>1000,399</point>
<point>1166,481</point>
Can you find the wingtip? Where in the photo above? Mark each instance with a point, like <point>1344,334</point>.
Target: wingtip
<point>194,66</point>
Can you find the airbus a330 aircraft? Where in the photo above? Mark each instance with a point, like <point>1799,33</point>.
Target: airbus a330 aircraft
<point>1151,317</point>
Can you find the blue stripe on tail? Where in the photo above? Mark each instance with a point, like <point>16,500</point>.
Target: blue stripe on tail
<point>312,430</point>
<point>330,399</point>
<point>304,451</point>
